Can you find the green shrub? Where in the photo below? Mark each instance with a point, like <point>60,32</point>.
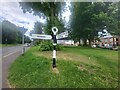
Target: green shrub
<point>48,46</point>
<point>59,47</point>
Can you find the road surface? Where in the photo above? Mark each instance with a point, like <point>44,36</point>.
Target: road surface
<point>9,54</point>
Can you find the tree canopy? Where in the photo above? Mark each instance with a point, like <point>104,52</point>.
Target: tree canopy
<point>89,18</point>
<point>49,10</point>
<point>38,28</point>
<point>12,34</point>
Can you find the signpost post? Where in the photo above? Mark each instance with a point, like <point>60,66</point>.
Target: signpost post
<point>54,37</point>
<point>54,30</point>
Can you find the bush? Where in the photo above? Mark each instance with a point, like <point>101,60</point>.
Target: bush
<point>48,46</point>
<point>59,47</point>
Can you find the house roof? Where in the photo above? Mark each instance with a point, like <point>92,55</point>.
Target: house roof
<point>107,37</point>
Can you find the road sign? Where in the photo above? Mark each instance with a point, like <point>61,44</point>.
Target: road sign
<point>41,36</point>
<point>62,35</point>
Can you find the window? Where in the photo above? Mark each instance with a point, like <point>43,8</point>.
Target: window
<point>106,40</point>
<point>111,39</point>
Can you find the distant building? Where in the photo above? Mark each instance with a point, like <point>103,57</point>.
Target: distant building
<point>107,38</point>
<point>111,40</point>
<point>65,42</point>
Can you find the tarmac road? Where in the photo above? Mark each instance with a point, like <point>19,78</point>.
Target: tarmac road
<point>9,54</point>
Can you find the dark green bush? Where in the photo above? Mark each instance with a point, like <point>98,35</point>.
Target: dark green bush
<point>48,46</point>
<point>59,47</point>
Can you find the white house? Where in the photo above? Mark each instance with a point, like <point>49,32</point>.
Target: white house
<point>65,42</point>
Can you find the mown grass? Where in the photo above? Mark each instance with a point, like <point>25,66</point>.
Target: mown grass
<point>78,68</point>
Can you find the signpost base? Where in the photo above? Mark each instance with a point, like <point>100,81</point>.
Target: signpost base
<point>55,70</point>
<point>54,63</point>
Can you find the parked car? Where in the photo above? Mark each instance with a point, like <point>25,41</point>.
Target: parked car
<point>26,45</point>
<point>108,46</point>
<point>102,46</point>
<point>94,46</point>
<point>115,48</point>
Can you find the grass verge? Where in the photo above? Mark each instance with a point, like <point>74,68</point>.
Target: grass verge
<point>4,45</point>
<point>34,69</point>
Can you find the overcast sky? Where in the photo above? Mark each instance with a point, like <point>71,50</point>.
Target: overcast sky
<point>12,12</point>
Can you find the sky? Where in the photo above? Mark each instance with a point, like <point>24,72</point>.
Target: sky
<point>12,12</point>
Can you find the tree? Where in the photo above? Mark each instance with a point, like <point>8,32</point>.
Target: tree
<point>107,16</point>
<point>38,28</point>
<point>27,39</point>
<point>113,12</point>
<point>119,18</point>
<point>48,10</point>
<point>0,32</point>
<point>11,33</point>
<point>88,19</point>
<point>81,21</point>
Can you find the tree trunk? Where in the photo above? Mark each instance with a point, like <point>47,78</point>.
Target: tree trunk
<point>52,14</point>
<point>89,42</point>
<point>79,42</point>
<point>51,17</point>
<point>85,42</point>
<point>113,41</point>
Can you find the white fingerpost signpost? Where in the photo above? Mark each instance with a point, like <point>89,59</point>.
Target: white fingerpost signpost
<point>54,30</point>
<point>41,36</point>
<point>54,37</point>
<point>62,35</point>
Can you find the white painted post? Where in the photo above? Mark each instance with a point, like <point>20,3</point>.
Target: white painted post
<point>54,30</point>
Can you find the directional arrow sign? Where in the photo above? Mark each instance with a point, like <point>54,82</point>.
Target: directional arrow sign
<point>62,35</point>
<point>41,36</point>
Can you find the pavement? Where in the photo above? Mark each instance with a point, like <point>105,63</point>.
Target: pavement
<point>9,54</point>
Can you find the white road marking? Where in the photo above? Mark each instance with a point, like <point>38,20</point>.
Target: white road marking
<point>10,54</point>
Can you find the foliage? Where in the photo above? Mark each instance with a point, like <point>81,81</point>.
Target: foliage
<point>48,46</point>
<point>81,21</point>
<point>48,10</point>
<point>119,17</point>
<point>32,71</point>
<point>38,28</point>
<point>0,32</point>
<point>12,34</point>
<point>41,8</point>
<point>27,39</point>
<point>89,18</point>
<point>57,23</point>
